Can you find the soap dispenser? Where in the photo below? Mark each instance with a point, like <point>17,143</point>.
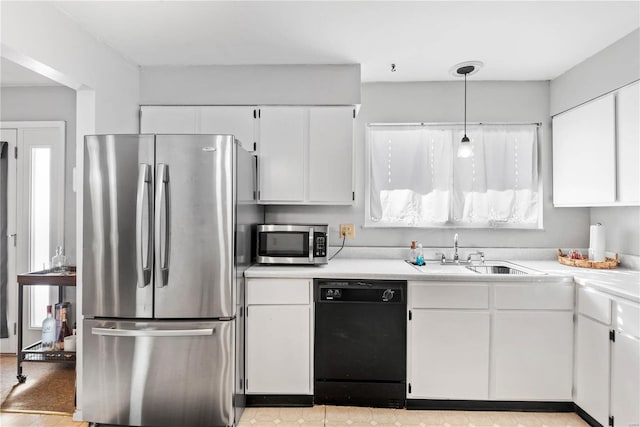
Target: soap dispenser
<point>420,255</point>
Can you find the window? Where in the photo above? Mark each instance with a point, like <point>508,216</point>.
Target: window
<point>415,179</point>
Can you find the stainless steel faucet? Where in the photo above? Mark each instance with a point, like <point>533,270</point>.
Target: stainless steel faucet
<point>456,258</point>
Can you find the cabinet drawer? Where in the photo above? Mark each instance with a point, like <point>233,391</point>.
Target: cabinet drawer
<point>628,318</point>
<point>534,297</point>
<point>450,295</point>
<point>278,291</point>
<point>595,305</point>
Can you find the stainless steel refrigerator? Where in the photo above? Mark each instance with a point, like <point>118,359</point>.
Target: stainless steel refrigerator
<point>167,225</point>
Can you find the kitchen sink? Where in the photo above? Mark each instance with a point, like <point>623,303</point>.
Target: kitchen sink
<point>501,268</point>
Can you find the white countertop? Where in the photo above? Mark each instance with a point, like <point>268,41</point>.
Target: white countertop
<point>619,282</point>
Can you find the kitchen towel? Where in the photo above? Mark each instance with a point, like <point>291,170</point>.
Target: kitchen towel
<point>596,242</point>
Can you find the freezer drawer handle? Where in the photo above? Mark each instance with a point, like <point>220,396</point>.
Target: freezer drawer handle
<point>143,266</point>
<point>152,333</point>
<point>162,253</point>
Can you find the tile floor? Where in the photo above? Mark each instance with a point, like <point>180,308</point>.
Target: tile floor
<point>10,419</point>
<point>348,416</point>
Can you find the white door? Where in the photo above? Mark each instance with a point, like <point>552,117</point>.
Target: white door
<point>39,211</point>
<point>8,345</point>
<point>450,362</point>
<point>278,352</point>
<point>169,119</point>
<point>625,381</point>
<point>282,146</point>
<point>331,155</point>
<point>584,162</point>
<point>233,120</point>
<point>592,368</point>
<point>533,355</point>
<point>628,122</point>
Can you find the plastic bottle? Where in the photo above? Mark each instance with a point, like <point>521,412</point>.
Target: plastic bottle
<point>413,253</point>
<point>49,331</point>
<point>420,255</point>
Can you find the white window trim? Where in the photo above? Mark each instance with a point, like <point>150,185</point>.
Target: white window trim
<point>23,187</point>
<point>367,208</point>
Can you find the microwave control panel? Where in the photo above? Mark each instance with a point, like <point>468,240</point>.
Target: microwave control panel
<point>319,244</point>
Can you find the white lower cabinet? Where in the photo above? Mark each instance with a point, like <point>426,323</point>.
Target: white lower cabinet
<point>484,341</point>
<point>607,382</point>
<point>449,354</point>
<point>533,355</point>
<point>592,368</point>
<point>279,337</point>
<point>625,380</point>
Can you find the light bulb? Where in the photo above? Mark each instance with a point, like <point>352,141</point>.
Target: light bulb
<point>464,148</point>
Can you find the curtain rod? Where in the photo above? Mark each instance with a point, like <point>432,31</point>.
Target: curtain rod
<point>455,124</point>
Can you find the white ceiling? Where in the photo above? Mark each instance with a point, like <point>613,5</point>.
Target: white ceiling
<point>516,40</point>
<point>12,74</point>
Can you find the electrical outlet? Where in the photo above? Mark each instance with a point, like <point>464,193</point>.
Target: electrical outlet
<point>348,231</point>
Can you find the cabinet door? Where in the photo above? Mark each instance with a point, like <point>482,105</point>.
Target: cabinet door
<point>533,355</point>
<point>449,355</point>
<point>278,351</point>
<point>169,119</point>
<point>331,155</point>
<point>584,169</point>
<point>282,150</point>
<point>628,121</point>
<point>234,120</point>
<point>625,381</point>
<point>592,368</point>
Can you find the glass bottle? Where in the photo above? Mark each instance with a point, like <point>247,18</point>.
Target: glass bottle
<point>412,253</point>
<point>59,260</point>
<point>64,329</point>
<point>48,331</point>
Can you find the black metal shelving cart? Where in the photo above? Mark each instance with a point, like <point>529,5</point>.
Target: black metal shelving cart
<point>35,352</point>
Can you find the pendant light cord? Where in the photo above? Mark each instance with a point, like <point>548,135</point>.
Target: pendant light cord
<point>465,104</point>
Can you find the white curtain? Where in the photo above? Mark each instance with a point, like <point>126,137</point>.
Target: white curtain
<point>410,180</point>
<point>416,180</point>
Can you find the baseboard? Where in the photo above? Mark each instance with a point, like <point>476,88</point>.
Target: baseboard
<point>586,417</point>
<point>277,400</point>
<point>490,405</point>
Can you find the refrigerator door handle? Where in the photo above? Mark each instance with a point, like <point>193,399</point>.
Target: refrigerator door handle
<point>152,332</point>
<point>143,266</point>
<point>162,251</point>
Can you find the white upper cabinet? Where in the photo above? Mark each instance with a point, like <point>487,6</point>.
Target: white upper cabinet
<point>584,164</point>
<point>281,159</point>
<point>331,154</point>
<point>238,121</point>
<point>234,120</point>
<point>168,119</point>
<point>306,155</point>
<point>596,151</point>
<point>628,121</point>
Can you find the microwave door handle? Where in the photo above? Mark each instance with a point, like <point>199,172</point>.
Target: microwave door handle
<point>143,266</point>
<point>311,245</point>
<point>162,201</point>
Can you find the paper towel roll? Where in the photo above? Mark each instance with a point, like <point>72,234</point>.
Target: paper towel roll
<point>596,242</point>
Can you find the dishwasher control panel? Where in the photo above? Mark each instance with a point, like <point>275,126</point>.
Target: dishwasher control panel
<point>374,291</point>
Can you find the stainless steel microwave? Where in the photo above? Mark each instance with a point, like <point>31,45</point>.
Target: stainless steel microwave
<point>292,244</point>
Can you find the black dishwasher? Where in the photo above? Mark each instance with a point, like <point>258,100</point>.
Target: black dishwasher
<point>360,342</point>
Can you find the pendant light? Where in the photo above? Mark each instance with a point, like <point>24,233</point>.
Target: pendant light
<point>464,69</point>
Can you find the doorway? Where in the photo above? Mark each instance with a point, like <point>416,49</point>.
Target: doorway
<point>35,217</point>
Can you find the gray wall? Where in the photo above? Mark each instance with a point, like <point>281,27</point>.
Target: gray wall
<point>251,84</point>
<point>608,70</point>
<point>43,103</point>
<point>504,101</point>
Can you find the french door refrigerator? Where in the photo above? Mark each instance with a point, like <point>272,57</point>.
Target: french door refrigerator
<point>167,225</point>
